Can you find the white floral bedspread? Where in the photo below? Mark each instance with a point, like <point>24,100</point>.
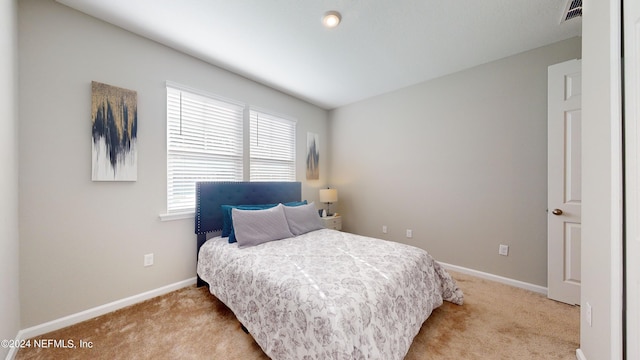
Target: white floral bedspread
<point>328,294</point>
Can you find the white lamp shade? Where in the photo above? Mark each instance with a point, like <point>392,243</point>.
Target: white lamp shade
<point>328,195</point>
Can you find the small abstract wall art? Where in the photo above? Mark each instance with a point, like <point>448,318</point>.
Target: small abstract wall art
<point>114,117</point>
<point>313,157</point>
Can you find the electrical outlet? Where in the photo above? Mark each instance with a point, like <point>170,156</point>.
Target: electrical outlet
<point>503,250</point>
<point>409,233</point>
<point>384,229</point>
<point>587,313</point>
<point>148,259</point>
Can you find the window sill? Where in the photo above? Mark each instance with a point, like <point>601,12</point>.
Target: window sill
<point>177,216</point>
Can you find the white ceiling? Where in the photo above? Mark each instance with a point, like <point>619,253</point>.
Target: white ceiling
<point>380,46</point>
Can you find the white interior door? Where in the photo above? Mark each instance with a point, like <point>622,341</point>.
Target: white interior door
<point>564,181</point>
<point>632,167</point>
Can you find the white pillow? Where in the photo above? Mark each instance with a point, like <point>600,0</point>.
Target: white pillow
<point>254,227</point>
<point>303,219</point>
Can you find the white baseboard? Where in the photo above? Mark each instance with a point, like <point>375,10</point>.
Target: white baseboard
<point>517,283</point>
<point>96,311</point>
<point>12,353</point>
<point>580,355</point>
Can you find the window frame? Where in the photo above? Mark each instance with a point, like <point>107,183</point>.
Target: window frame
<point>200,144</point>
<point>173,213</point>
<point>285,122</point>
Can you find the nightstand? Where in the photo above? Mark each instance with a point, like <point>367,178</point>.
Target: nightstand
<point>332,222</point>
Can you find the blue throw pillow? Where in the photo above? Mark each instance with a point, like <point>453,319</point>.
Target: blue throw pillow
<point>296,203</point>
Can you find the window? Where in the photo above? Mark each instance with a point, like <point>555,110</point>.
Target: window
<point>204,142</point>
<point>272,147</point>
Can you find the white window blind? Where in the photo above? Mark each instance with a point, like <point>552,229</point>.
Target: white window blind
<point>272,147</point>
<point>204,143</point>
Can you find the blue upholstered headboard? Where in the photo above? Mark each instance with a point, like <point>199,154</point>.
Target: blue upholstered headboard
<point>211,195</point>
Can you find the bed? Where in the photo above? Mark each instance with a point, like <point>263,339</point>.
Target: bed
<point>319,294</point>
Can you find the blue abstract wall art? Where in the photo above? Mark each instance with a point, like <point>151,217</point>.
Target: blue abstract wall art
<point>114,116</point>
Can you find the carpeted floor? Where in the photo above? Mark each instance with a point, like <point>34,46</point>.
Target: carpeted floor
<point>496,322</point>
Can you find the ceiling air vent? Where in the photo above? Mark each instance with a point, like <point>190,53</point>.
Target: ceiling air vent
<point>573,10</point>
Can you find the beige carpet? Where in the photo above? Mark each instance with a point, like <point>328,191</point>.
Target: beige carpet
<point>496,322</point>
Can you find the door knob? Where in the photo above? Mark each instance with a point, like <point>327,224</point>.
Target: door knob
<point>556,212</point>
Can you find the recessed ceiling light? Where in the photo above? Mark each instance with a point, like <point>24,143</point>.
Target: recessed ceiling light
<point>331,19</point>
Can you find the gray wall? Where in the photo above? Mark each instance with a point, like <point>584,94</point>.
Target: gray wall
<point>82,242</point>
<point>460,160</point>
<point>9,243</point>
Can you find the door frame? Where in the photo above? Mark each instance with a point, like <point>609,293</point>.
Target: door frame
<point>631,120</point>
